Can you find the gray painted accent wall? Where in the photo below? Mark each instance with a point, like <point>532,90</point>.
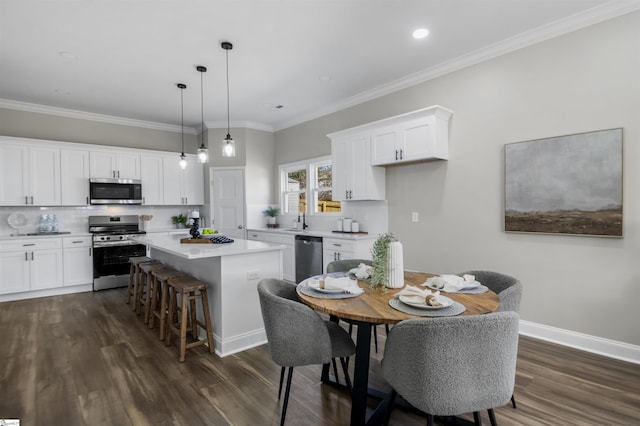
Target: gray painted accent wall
<point>583,81</point>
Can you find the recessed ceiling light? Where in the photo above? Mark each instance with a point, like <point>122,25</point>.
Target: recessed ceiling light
<point>67,55</point>
<point>324,78</point>
<point>61,92</point>
<point>420,33</point>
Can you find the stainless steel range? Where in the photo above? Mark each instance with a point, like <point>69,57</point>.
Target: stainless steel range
<point>113,245</point>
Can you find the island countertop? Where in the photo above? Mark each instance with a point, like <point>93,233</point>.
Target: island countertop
<point>171,244</point>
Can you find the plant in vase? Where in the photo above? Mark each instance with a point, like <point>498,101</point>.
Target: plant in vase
<point>180,220</point>
<point>382,262</point>
<point>271,213</point>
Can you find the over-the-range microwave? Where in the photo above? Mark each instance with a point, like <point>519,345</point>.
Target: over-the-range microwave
<point>115,191</point>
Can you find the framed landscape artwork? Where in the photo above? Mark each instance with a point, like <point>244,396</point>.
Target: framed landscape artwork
<point>565,185</point>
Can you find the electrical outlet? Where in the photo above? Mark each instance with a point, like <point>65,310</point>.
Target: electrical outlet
<point>414,216</point>
<point>253,275</point>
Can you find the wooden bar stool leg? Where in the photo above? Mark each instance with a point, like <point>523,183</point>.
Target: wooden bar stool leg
<point>194,319</point>
<point>151,304</point>
<point>207,319</point>
<point>183,326</point>
<point>130,287</point>
<point>163,311</point>
<point>172,312</point>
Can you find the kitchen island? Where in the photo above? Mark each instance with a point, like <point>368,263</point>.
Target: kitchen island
<point>232,272</point>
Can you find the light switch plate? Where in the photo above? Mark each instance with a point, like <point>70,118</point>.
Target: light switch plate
<point>414,216</point>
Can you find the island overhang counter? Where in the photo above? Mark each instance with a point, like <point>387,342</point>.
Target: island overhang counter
<point>232,272</point>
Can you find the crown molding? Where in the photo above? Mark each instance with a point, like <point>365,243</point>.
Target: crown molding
<point>81,115</point>
<point>239,124</point>
<point>593,16</point>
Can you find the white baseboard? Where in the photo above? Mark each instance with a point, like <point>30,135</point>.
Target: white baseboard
<point>46,292</point>
<point>239,343</point>
<point>606,347</point>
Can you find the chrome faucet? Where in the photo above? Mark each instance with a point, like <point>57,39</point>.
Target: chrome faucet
<point>304,222</point>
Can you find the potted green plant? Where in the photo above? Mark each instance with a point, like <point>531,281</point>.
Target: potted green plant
<point>180,220</point>
<point>271,213</point>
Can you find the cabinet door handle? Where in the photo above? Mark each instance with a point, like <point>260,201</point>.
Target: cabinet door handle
<point>113,174</point>
<point>26,256</point>
<point>26,199</point>
<point>401,154</point>
<point>31,255</point>
<point>87,200</point>
<point>28,245</point>
<point>337,245</point>
<point>90,252</point>
<point>76,242</point>
<point>338,255</point>
<point>32,200</point>
<point>396,155</point>
<point>118,174</point>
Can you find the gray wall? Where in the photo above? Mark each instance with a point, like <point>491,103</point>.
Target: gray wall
<point>583,81</point>
<point>50,127</point>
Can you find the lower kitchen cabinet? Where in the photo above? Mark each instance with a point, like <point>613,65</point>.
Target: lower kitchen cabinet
<point>341,249</point>
<point>31,264</point>
<point>78,260</point>
<point>288,254</point>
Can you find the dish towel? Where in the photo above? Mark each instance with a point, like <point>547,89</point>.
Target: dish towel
<point>452,283</point>
<point>415,295</point>
<point>396,265</point>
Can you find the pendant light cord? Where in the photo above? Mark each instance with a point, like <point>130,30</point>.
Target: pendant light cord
<point>227,51</point>
<point>182,115</point>
<point>202,111</point>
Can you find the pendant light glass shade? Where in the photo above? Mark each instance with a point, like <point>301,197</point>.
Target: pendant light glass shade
<point>229,147</point>
<point>183,158</point>
<point>203,152</point>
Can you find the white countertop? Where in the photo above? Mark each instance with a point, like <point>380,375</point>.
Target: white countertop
<point>25,237</point>
<point>314,233</point>
<point>171,244</point>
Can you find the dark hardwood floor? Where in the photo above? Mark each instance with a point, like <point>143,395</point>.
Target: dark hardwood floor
<point>87,359</point>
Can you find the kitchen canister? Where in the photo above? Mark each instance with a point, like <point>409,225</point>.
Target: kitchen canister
<point>396,265</point>
<point>355,226</point>
<point>346,224</point>
<point>339,225</point>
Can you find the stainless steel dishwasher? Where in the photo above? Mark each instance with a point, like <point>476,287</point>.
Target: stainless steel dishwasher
<point>308,256</point>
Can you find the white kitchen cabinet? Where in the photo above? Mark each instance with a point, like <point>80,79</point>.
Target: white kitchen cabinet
<point>30,264</point>
<point>289,253</point>
<point>183,187</point>
<point>421,135</point>
<point>77,253</point>
<point>152,177</point>
<point>29,175</point>
<point>342,249</point>
<point>74,177</point>
<point>354,178</point>
<point>114,165</point>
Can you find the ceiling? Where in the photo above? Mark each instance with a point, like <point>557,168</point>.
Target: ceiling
<point>122,59</point>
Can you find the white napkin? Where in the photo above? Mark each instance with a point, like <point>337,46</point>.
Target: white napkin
<point>342,283</point>
<point>415,295</point>
<point>452,283</point>
<point>362,272</point>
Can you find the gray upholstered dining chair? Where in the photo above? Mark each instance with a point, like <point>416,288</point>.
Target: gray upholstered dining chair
<point>508,289</point>
<point>344,266</point>
<point>297,335</point>
<point>453,365</point>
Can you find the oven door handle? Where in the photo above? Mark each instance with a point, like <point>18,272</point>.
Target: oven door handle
<point>97,244</point>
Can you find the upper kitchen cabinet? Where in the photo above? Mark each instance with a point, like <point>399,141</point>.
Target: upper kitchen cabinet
<point>421,135</point>
<point>74,177</point>
<point>120,165</point>
<point>29,175</point>
<point>183,187</point>
<point>354,178</point>
<point>152,176</point>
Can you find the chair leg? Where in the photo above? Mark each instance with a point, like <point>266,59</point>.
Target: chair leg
<point>513,401</point>
<point>386,328</point>
<point>335,370</point>
<point>429,419</point>
<point>476,418</point>
<point>392,400</point>
<point>345,370</point>
<point>492,417</point>
<point>281,381</point>
<point>286,397</point>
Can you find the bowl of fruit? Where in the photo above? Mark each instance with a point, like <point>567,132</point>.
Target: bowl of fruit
<point>208,231</point>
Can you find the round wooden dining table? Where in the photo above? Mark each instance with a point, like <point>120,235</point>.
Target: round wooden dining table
<point>371,308</point>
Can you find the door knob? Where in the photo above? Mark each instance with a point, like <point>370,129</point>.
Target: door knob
<point>239,226</point>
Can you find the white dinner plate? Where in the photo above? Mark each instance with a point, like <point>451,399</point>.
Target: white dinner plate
<point>328,291</point>
<point>475,284</point>
<point>447,302</point>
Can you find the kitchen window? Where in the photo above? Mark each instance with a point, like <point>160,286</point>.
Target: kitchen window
<point>307,187</point>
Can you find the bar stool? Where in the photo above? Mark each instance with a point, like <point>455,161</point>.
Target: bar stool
<point>159,305</point>
<point>134,277</point>
<point>143,286</point>
<point>190,290</point>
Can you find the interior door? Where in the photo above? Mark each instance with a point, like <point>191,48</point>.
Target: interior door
<point>227,199</point>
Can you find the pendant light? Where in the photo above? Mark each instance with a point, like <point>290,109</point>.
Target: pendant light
<point>229,147</point>
<point>183,158</point>
<point>203,152</point>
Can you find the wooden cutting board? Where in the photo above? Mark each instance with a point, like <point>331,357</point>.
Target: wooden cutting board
<point>195,241</point>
